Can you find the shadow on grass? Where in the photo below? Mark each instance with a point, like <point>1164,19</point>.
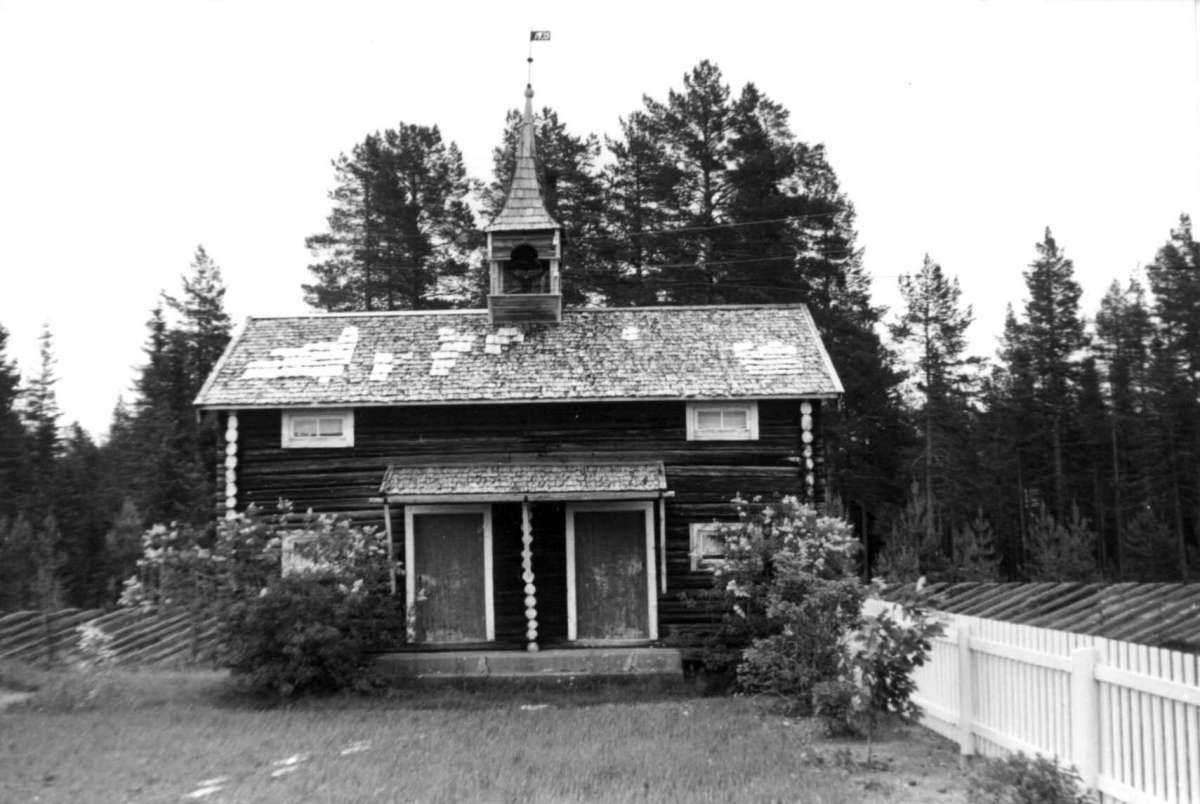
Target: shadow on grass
<point>123,688</point>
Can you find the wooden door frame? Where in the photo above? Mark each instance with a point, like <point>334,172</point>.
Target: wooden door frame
<point>645,506</point>
<point>410,574</point>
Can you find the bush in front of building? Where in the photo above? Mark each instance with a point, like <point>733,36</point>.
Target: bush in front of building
<point>788,590</point>
<point>793,627</point>
<point>307,630</point>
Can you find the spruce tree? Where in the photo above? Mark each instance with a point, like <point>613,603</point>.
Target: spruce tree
<point>41,423</point>
<point>931,336</point>
<point>1049,339</point>
<point>82,517</point>
<point>14,464</point>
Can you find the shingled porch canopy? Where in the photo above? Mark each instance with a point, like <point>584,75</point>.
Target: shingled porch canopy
<point>448,544</point>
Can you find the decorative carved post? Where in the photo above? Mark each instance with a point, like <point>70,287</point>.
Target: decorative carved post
<point>231,461</point>
<point>806,438</point>
<point>531,626</point>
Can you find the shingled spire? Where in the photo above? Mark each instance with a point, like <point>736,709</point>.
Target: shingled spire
<point>524,243</point>
<point>524,207</point>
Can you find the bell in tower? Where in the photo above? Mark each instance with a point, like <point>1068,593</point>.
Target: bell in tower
<point>524,244</point>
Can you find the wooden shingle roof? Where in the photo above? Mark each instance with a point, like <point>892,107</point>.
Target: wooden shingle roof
<point>523,480</point>
<point>348,359</point>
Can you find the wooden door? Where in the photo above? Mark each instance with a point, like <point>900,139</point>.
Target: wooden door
<point>448,553</point>
<point>610,578</point>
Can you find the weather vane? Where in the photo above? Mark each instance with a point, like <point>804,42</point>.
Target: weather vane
<point>534,36</point>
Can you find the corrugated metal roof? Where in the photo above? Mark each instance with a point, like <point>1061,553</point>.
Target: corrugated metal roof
<point>1158,614</point>
<point>515,480</point>
<point>759,351</point>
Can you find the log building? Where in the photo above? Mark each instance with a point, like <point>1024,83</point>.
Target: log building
<point>548,476</point>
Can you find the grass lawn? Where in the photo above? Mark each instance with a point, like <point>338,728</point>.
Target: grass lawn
<point>178,737</point>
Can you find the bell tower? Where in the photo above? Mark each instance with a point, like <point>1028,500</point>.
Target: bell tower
<point>524,244</point>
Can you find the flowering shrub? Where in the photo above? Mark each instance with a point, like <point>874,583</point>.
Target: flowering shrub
<point>308,631</point>
<point>95,646</point>
<point>874,678</point>
<point>789,590</point>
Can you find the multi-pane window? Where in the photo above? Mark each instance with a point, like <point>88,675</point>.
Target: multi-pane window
<point>707,545</point>
<point>722,421</point>
<point>327,428</point>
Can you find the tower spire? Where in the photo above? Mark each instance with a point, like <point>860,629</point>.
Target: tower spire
<point>524,206</point>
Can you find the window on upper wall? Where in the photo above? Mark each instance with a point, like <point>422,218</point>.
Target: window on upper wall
<point>722,421</point>
<point>707,545</point>
<point>318,428</point>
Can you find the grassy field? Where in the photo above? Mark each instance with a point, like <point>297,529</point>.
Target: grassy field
<point>178,737</point>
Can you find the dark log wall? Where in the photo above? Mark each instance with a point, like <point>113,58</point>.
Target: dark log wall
<point>704,476</point>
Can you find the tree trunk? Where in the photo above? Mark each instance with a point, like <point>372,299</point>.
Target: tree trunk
<point>1118,509</point>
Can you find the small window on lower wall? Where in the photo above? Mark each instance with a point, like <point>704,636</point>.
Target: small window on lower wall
<point>722,421</point>
<point>291,554</point>
<point>318,428</point>
<point>707,545</point>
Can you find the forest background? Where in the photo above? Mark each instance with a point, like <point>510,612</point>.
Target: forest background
<point>1073,454</point>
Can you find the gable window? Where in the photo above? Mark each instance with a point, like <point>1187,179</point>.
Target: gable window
<point>318,428</point>
<point>722,421</point>
<point>707,545</point>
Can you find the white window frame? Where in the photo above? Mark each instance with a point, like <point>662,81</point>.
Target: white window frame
<point>410,553</point>
<point>290,560</point>
<point>651,576</point>
<point>695,433</point>
<point>698,532</point>
<point>289,440</point>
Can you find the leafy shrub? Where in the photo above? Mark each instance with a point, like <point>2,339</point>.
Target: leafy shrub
<point>306,633</point>
<point>841,705</point>
<point>1021,779</point>
<point>875,677</point>
<point>310,631</point>
<point>787,589</point>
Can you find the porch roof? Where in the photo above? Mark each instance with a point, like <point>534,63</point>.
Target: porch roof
<point>500,481</point>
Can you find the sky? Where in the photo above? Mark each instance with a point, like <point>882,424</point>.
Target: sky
<point>131,132</point>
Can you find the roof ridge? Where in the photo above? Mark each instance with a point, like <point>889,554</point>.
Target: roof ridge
<point>566,311</point>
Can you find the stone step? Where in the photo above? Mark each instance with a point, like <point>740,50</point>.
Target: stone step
<point>558,663</point>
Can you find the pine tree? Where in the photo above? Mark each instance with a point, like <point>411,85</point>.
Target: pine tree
<point>1174,278</point>
<point>1150,550</point>
<point>1058,552</point>
<point>638,182</point>
<point>975,556</point>
<point>1124,333</point>
<point>400,228</point>
<point>931,333</point>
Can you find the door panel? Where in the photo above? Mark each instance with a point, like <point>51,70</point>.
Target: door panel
<point>611,596</point>
<point>449,560</point>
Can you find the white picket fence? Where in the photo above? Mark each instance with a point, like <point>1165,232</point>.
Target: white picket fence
<point>1127,716</point>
